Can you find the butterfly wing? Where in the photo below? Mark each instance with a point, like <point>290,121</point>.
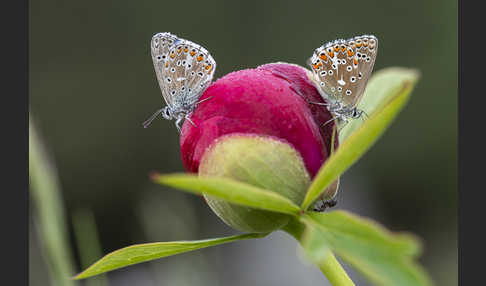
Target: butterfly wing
<point>160,46</point>
<point>185,74</point>
<point>199,71</point>
<point>343,67</point>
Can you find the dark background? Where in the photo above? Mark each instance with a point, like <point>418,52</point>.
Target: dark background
<point>92,84</point>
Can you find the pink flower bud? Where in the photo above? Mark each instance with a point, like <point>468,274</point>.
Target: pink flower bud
<point>273,100</point>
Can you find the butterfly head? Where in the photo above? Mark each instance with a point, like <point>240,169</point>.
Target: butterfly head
<point>356,113</point>
<point>167,113</point>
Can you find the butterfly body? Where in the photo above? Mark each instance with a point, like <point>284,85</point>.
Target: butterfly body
<point>341,69</point>
<point>184,70</point>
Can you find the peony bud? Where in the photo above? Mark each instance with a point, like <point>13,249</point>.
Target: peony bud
<point>273,102</point>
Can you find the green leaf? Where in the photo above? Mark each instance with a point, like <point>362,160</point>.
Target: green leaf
<point>393,95</point>
<point>86,236</point>
<point>149,251</point>
<point>230,190</point>
<point>48,211</point>
<point>384,257</point>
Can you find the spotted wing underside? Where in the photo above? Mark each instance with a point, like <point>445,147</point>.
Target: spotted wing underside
<point>343,67</point>
<point>184,69</point>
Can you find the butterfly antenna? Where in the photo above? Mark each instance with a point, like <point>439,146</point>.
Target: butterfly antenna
<point>366,114</point>
<point>147,122</point>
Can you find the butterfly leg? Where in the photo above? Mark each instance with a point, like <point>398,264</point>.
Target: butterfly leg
<point>329,121</point>
<point>200,101</point>
<point>189,119</point>
<point>345,122</point>
<point>178,123</point>
<point>318,103</point>
<point>147,122</point>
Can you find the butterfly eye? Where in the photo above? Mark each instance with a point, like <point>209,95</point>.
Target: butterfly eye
<point>167,113</point>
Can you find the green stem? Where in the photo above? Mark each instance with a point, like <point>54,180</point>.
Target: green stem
<point>334,272</point>
<point>330,267</point>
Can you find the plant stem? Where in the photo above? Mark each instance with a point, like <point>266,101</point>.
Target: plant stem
<point>334,271</point>
<point>330,267</point>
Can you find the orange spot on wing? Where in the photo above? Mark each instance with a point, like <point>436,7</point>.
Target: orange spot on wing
<point>355,61</point>
<point>166,64</point>
<point>199,58</point>
<point>323,57</point>
<point>172,55</point>
<point>316,66</point>
<point>358,45</point>
<point>208,67</point>
<point>185,50</point>
<point>192,53</point>
<point>179,50</point>
<point>350,53</point>
<point>331,54</point>
<point>336,49</point>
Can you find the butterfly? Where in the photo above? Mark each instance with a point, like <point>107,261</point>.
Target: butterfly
<point>184,70</point>
<point>341,69</point>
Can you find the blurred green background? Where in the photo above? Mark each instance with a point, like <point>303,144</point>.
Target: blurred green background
<point>92,84</point>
